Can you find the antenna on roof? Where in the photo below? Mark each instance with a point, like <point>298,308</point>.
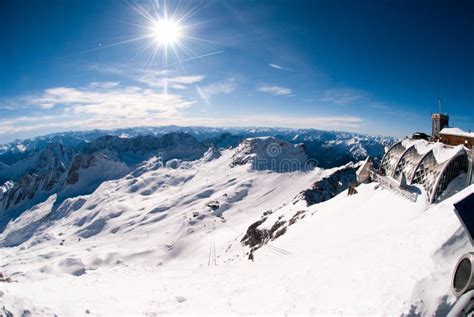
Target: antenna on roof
<point>439,104</point>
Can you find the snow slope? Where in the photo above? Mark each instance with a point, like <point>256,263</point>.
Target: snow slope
<point>167,240</point>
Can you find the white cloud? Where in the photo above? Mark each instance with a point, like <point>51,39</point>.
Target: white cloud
<point>275,90</point>
<point>276,66</point>
<point>118,101</point>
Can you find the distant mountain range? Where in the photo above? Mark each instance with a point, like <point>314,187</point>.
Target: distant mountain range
<point>329,148</point>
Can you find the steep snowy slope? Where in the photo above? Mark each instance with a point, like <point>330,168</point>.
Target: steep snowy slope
<point>62,171</point>
<point>54,156</point>
<point>168,239</point>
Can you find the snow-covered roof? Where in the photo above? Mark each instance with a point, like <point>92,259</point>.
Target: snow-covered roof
<point>457,131</point>
<point>442,152</point>
<point>423,163</point>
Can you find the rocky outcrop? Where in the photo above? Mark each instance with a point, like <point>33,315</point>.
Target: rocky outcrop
<point>176,145</point>
<point>258,236</point>
<point>79,162</point>
<point>42,174</point>
<point>329,187</point>
<point>54,157</point>
<point>225,140</point>
<point>27,187</point>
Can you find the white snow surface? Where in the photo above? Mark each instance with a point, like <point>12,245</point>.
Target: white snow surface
<point>441,151</point>
<point>150,244</point>
<point>457,131</point>
<point>421,146</point>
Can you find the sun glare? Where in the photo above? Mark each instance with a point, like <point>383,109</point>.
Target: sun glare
<point>166,32</point>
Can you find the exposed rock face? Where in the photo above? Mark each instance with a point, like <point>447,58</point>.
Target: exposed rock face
<point>54,156</point>
<point>258,236</point>
<point>28,186</point>
<point>225,140</point>
<point>254,236</point>
<point>332,149</point>
<point>79,162</point>
<point>176,145</point>
<point>329,187</point>
<point>211,154</point>
<point>42,175</point>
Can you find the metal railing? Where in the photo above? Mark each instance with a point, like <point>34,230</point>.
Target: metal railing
<point>393,185</point>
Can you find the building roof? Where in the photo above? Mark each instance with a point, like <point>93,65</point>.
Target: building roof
<point>457,131</point>
<point>428,164</point>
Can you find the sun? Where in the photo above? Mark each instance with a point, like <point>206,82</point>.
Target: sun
<point>166,32</point>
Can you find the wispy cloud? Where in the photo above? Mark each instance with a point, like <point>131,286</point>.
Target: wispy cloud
<point>379,106</point>
<point>155,78</point>
<point>342,96</point>
<point>223,87</point>
<point>11,105</point>
<point>104,84</point>
<point>276,66</point>
<point>388,109</point>
<point>176,82</point>
<point>275,90</point>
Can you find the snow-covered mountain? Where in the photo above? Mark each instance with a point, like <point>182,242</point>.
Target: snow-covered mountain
<point>177,223</point>
<point>32,170</point>
<point>59,170</point>
<point>208,236</point>
<point>53,156</point>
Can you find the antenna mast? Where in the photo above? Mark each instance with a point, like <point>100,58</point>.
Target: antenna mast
<point>439,104</point>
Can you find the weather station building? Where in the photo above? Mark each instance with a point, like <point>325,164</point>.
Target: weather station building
<point>455,136</point>
<point>434,163</point>
<point>451,136</point>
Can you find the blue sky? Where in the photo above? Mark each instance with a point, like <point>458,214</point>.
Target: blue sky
<point>376,67</point>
